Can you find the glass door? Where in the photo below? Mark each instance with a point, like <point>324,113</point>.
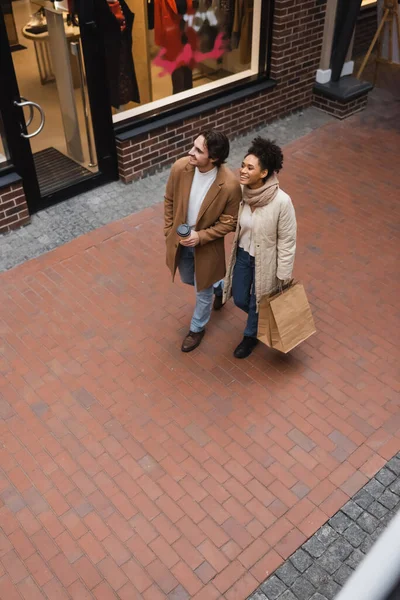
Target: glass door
<point>62,108</point>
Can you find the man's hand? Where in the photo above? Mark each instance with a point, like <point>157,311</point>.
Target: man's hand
<point>193,240</point>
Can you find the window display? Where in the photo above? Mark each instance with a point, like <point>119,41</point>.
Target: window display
<point>179,48</point>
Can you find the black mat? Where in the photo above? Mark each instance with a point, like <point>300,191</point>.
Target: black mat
<point>56,171</point>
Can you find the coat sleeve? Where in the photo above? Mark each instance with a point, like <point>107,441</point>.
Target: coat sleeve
<point>169,203</point>
<point>287,231</point>
<point>227,220</point>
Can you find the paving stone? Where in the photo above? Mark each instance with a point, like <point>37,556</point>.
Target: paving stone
<point>388,499</point>
<point>385,476</point>
<point>330,589</point>
<point>352,510</point>
<point>317,575</point>
<point>326,535</point>
<point>363,499</point>
<point>354,535</point>
<point>258,595</point>
<point>342,575</point>
<point>301,560</point>
<point>302,589</point>
<point>394,465</point>
<point>273,587</point>
<point>367,522</point>
<point>318,596</point>
<point>287,573</point>
<point>355,558</point>
<point>314,547</point>
<point>340,522</point>
<point>288,595</point>
<point>375,488</point>
<point>377,510</point>
<point>395,487</point>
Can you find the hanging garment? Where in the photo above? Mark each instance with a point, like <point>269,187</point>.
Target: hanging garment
<point>242,31</point>
<point>116,20</point>
<point>226,16</point>
<point>170,29</point>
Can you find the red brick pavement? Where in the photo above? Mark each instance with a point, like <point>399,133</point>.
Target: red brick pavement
<point>130,470</point>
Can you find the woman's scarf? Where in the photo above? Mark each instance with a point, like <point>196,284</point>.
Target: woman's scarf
<point>262,195</point>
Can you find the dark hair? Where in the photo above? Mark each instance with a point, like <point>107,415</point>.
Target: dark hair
<point>268,153</point>
<point>217,145</point>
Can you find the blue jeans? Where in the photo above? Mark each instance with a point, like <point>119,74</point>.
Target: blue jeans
<point>243,290</point>
<point>204,299</point>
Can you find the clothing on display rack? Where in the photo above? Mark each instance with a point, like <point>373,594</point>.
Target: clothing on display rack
<point>242,30</point>
<point>117,22</point>
<point>172,34</point>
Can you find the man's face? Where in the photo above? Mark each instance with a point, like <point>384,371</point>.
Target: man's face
<point>199,155</point>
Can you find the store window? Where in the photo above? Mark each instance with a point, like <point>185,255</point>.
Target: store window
<point>164,51</point>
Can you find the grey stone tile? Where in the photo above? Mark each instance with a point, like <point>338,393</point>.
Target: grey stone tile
<point>367,522</point>
<point>330,589</point>
<point>354,535</point>
<point>314,547</point>
<point>377,510</point>
<point>287,573</point>
<point>395,487</point>
<point>326,535</point>
<point>355,558</point>
<point>302,589</point>
<point>288,595</point>
<point>258,595</point>
<point>375,488</point>
<point>317,575</point>
<point>394,465</point>
<point>352,510</point>
<point>388,499</point>
<point>273,588</point>
<point>385,476</point>
<point>301,560</point>
<point>318,596</point>
<point>340,522</point>
<point>342,575</point>
<point>363,499</point>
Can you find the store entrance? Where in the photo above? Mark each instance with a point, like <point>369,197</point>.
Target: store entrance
<point>57,64</point>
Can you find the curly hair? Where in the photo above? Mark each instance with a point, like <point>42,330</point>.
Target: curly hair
<point>268,153</point>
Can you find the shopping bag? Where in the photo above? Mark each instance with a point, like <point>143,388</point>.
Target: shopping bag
<point>285,319</point>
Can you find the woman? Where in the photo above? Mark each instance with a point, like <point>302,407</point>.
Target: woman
<point>265,240</point>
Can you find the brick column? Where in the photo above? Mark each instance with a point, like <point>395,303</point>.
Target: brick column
<point>13,207</point>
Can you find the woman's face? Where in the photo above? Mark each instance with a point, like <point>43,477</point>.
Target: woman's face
<point>251,173</point>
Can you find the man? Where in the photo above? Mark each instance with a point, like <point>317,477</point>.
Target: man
<point>205,194</point>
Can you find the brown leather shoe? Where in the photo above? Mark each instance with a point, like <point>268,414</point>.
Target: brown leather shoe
<point>192,341</point>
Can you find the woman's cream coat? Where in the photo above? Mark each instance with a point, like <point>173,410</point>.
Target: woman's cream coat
<point>274,236</point>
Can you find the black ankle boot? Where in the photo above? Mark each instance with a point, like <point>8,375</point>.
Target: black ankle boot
<point>245,347</point>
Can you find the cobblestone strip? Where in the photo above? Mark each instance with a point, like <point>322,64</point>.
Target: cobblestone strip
<point>318,569</point>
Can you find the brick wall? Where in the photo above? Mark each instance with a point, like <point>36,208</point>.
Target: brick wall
<point>13,208</point>
<point>296,50</point>
<point>340,110</point>
<point>366,27</point>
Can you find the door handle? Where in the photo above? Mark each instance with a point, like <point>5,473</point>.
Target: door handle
<point>32,105</point>
<point>31,113</point>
